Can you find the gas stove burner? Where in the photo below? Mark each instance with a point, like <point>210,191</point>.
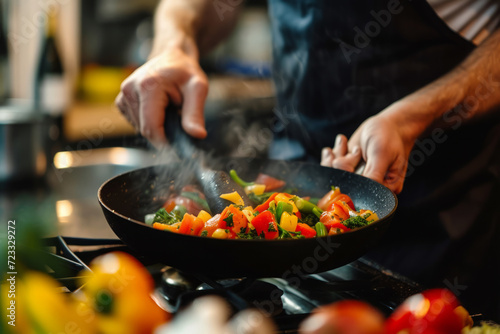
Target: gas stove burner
<point>287,300</point>
<point>179,289</point>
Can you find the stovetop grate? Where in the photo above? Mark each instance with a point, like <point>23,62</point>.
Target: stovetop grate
<point>288,301</point>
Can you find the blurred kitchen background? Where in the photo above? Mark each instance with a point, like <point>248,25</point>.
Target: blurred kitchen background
<point>61,136</point>
<point>100,42</point>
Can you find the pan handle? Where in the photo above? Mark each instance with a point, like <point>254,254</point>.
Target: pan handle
<point>213,182</point>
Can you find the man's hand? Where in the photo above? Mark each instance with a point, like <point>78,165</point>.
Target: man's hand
<point>170,77</point>
<point>382,143</point>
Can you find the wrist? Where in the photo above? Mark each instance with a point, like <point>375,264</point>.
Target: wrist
<point>174,40</point>
<point>420,111</point>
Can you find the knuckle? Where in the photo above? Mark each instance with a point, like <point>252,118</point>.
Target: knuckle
<point>200,84</point>
<point>127,87</point>
<point>148,83</point>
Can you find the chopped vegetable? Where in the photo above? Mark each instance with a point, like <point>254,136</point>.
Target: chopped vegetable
<point>196,198</point>
<point>355,222</point>
<point>238,180</point>
<point>306,230</point>
<point>168,218</point>
<point>288,221</point>
<point>270,182</point>
<point>279,215</point>
<point>320,229</point>
<point>257,189</point>
<point>259,199</point>
<point>233,197</point>
<point>265,225</point>
<point>281,208</point>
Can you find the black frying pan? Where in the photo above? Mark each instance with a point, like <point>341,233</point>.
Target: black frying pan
<point>126,198</point>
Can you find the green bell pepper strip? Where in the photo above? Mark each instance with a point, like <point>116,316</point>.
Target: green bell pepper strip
<point>196,198</point>
<point>237,179</point>
<point>320,229</point>
<point>317,212</point>
<point>283,207</point>
<point>305,206</point>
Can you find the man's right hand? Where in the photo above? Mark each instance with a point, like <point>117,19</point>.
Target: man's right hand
<point>174,77</point>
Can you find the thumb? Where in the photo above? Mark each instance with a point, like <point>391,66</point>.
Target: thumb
<point>195,94</point>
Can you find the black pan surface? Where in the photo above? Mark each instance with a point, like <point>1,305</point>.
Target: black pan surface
<point>127,198</point>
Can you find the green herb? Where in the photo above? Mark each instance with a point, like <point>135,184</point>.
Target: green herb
<point>229,220</point>
<point>284,234</point>
<point>271,228</point>
<point>204,233</point>
<point>164,217</point>
<point>259,199</point>
<point>226,230</point>
<point>252,234</point>
<point>355,222</point>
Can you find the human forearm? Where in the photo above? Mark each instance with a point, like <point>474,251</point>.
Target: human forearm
<point>192,25</point>
<point>469,91</point>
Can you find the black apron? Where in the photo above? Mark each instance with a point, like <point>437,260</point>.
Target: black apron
<point>337,63</point>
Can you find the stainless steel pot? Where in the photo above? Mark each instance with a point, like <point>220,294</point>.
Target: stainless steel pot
<point>23,154</point>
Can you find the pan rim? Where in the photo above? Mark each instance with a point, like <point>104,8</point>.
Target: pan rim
<point>143,224</point>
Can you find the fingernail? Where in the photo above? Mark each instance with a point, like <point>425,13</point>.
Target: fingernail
<point>324,152</point>
<point>338,140</point>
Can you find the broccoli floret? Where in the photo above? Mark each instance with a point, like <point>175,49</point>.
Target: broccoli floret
<point>355,222</point>
<point>308,218</point>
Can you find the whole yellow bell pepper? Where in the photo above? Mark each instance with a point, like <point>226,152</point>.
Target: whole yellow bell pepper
<point>119,291</point>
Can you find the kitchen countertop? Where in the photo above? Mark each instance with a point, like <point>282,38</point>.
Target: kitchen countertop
<point>65,201</point>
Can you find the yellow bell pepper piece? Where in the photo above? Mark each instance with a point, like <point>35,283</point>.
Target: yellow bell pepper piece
<point>203,215</point>
<point>283,198</point>
<point>289,222</point>
<point>248,214</point>
<point>257,189</point>
<point>233,197</point>
<point>369,215</point>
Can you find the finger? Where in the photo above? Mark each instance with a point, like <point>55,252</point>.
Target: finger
<point>152,116</point>
<point>340,148</point>
<point>377,167</point>
<point>326,157</point>
<point>395,178</point>
<point>349,161</point>
<point>126,110</point>
<point>195,93</point>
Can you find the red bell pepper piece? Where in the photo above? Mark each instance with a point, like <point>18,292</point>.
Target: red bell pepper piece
<point>306,230</point>
<point>237,222</point>
<point>264,206</point>
<point>270,182</point>
<point>265,224</point>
